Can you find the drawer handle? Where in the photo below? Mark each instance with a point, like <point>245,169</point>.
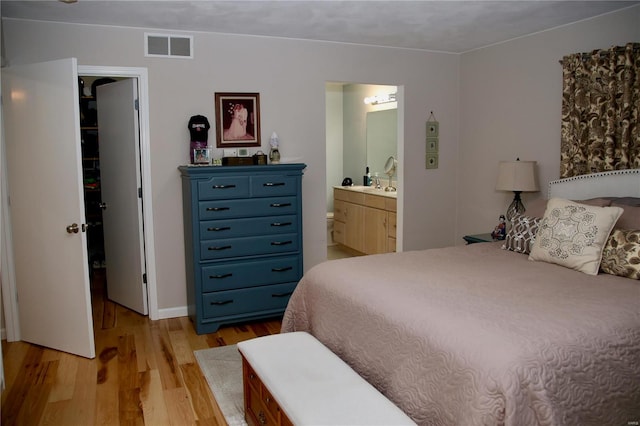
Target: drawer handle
<point>217,209</point>
<point>267,400</point>
<point>281,243</point>
<point>282,294</point>
<point>218,277</point>
<point>219,248</point>
<point>223,186</point>
<point>280,204</point>
<point>274,184</point>
<point>224,302</point>
<point>281,224</point>
<point>287,268</point>
<point>262,418</point>
<point>224,228</point>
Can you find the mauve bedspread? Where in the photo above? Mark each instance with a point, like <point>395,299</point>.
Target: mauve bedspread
<point>476,335</point>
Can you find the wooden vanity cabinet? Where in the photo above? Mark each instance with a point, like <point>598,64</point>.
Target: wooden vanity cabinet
<point>364,222</point>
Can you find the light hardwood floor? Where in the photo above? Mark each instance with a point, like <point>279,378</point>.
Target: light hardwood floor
<point>144,373</point>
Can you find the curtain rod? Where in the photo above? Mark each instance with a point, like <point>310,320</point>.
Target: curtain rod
<point>603,52</point>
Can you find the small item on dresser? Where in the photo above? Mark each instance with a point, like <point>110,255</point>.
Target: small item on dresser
<point>237,161</point>
<point>366,179</point>
<point>259,158</point>
<point>500,231</point>
<point>274,154</point>
<point>347,181</point>
<point>199,131</point>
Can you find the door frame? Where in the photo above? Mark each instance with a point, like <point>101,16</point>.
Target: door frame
<point>9,291</point>
<point>145,169</point>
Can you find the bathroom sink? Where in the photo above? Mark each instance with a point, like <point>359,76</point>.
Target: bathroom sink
<point>364,188</point>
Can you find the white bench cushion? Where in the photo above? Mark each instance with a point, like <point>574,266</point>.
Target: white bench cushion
<point>314,386</point>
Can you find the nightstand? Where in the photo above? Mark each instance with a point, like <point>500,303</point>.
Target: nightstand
<point>478,238</point>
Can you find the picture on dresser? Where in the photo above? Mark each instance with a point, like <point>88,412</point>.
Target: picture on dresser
<point>237,119</point>
<point>201,156</point>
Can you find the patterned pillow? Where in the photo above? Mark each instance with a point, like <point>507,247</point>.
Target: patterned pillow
<point>522,234</point>
<point>621,254</point>
<point>573,235</point>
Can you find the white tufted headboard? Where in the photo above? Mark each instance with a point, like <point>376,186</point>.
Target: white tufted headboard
<point>617,183</point>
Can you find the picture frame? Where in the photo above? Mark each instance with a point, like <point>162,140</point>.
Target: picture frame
<point>201,156</point>
<point>237,119</point>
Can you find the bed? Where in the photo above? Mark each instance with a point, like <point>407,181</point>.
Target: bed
<point>485,334</point>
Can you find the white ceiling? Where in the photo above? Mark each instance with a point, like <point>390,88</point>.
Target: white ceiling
<point>448,26</point>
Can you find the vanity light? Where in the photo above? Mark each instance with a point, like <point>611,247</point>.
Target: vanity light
<point>380,99</point>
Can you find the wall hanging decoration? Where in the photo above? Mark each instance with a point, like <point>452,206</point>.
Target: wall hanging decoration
<point>432,142</point>
<point>237,119</point>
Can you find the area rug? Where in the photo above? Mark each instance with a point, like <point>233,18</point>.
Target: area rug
<point>222,367</point>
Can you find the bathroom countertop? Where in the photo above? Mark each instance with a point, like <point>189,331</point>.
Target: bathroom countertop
<point>369,190</point>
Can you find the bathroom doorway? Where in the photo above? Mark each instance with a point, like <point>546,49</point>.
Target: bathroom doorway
<point>346,142</point>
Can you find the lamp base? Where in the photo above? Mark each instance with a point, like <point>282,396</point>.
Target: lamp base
<point>516,206</point>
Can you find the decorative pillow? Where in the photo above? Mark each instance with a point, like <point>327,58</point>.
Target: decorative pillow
<point>536,207</point>
<point>621,254</point>
<point>573,235</point>
<point>599,202</point>
<point>630,218</point>
<point>626,201</point>
<point>522,234</point>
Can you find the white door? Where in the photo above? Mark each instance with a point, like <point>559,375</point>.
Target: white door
<point>42,137</point>
<point>120,182</point>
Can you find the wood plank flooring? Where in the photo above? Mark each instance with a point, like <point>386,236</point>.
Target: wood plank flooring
<point>144,373</point>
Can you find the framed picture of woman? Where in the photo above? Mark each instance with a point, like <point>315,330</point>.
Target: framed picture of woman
<point>237,119</point>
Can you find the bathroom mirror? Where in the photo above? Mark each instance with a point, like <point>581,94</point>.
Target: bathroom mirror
<point>382,131</point>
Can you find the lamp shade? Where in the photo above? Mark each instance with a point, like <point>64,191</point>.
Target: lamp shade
<point>517,176</point>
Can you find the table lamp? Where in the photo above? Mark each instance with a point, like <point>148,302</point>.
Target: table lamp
<point>517,176</point>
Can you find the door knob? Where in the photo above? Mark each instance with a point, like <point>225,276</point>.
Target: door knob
<point>74,228</point>
<point>103,206</point>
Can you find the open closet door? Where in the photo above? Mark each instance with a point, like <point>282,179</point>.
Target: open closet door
<point>44,169</point>
<point>119,140</point>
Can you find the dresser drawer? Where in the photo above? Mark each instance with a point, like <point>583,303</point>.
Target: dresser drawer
<point>252,207</point>
<point>224,187</point>
<point>229,228</point>
<point>235,275</point>
<point>273,186</point>
<point>237,302</point>
<point>248,246</point>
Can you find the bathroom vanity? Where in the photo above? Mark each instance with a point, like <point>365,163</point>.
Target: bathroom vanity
<point>364,219</point>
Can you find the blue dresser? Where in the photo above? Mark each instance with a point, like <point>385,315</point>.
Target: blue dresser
<point>243,241</point>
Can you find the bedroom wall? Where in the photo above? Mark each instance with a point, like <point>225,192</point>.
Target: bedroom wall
<point>510,106</point>
<point>291,77</point>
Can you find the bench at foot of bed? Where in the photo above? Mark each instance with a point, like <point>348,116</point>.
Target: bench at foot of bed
<point>292,378</point>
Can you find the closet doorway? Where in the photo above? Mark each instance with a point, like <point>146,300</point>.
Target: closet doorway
<point>110,142</point>
<point>126,178</point>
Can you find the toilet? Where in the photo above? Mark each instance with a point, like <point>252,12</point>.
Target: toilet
<point>330,241</point>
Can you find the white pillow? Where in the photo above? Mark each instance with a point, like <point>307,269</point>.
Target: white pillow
<point>573,235</point>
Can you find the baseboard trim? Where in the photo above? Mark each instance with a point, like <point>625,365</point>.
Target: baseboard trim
<point>180,311</point>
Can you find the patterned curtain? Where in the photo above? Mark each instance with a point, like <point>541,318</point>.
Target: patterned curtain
<point>600,111</point>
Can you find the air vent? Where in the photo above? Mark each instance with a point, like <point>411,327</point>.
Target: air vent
<point>168,46</point>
